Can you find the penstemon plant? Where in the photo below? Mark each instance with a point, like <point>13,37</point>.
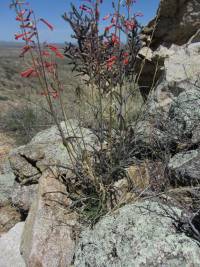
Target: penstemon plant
<point>43,64</point>
<point>105,54</point>
<point>106,57</point>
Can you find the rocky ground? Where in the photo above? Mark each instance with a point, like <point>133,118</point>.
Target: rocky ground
<point>156,222</point>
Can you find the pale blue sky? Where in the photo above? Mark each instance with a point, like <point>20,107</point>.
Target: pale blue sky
<point>52,11</point>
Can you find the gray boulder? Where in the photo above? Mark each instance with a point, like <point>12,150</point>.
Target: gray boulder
<point>23,196</point>
<point>49,234</point>
<point>185,168</point>
<point>9,216</point>
<point>46,150</point>
<point>180,75</point>
<point>172,108</point>
<point>9,247</point>
<point>184,113</point>
<point>140,234</point>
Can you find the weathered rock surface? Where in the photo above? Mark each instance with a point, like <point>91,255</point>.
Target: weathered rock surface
<point>184,113</point>
<point>9,247</point>
<point>171,110</point>
<point>185,167</point>
<point>6,185</point>
<point>46,149</point>
<point>23,196</point>
<point>6,145</point>
<point>177,21</point>
<point>176,70</point>
<point>9,216</point>
<point>137,235</point>
<point>49,234</point>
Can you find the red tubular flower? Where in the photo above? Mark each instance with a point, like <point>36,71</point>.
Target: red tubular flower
<point>25,49</point>
<point>125,61</point>
<point>55,94</point>
<point>85,8</point>
<point>49,64</point>
<point>110,62</point>
<point>52,48</point>
<point>55,50</point>
<point>59,55</point>
<point>28,25</point>
<point>47,23</point>
<point>106,17</point>
<point>45,53</point>
<point>108,28</point>
<point>125,54</point>
<point>125,58</point>
<point>18,18</point>
<point>28,39</point>
<point>115,39</point>
<point>130,24</point>
<point>27,73</point>
<point>21,35</point>
<point>22,12</point>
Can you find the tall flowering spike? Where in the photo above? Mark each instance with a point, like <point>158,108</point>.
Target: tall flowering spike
<point>47,24</point>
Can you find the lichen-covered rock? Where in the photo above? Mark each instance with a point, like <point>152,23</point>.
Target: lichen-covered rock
<point>181,74</point>
<point>185,167</point>
<point>9,247</point>
<point>46,149</point>
<point>6,186</point>
<point>23,196</point>
<point>49,237</point>
<point>149,136</point>
<point>171,114</point>
<point>184,113</point>
<point>9,216</point>
<point>139,234</point>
